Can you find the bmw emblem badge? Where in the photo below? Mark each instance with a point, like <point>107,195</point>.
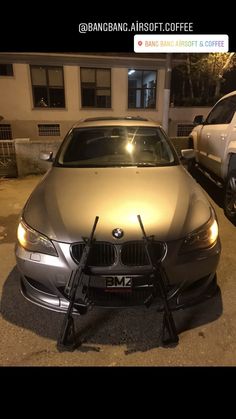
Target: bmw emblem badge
<point>117,233</point>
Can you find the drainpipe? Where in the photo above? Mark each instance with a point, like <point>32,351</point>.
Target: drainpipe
<point>166,97</point>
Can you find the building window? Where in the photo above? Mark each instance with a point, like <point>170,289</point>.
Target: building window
<point>95,87</point>
<point>141,88</point>
<point>48,87</point>
<point>6,70</point>
<point>5,132</point>
<point>49,130</point>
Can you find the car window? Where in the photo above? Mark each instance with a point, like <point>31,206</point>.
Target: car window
<point>115,146</point>
<point>223,112</point>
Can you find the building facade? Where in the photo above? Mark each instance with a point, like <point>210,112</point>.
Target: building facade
<point>42,95</point>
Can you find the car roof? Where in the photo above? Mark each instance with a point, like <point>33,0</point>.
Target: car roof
<point>118,121</point>
<point>116,118</point>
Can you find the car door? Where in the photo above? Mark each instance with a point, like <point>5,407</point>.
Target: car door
<point>213,139</point>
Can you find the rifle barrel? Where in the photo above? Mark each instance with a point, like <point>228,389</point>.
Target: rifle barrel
<point>141,226</point>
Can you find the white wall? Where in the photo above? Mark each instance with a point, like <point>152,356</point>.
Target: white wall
<point>183,114</point>
<point>15,101</point>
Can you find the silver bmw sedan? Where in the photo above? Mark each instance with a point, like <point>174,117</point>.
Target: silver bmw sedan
<point>117,168</point>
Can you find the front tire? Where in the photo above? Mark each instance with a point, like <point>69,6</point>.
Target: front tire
<point>230,196</point>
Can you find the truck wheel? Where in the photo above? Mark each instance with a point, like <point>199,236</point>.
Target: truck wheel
<point>230,196</point>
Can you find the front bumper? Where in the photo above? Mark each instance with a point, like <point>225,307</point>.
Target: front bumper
<point>201,290</point>
<point>191,279</point>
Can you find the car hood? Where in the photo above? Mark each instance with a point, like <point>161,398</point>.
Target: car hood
<point>64,205</point>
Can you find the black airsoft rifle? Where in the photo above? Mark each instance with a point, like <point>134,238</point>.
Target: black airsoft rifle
<point>161,280</point>
<point>66,340</point>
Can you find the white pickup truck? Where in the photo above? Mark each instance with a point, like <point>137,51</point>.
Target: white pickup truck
<point>214,143</point>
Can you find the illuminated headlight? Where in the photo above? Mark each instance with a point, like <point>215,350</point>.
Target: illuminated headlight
<point>201,238</point>
<point>33,241</point>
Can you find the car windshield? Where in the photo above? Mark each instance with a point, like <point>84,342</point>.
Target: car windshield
<point>115,146</point>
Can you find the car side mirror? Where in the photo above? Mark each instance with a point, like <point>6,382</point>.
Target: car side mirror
<point>188,154</point>
<point>198,120</point>
<point>46,156</point>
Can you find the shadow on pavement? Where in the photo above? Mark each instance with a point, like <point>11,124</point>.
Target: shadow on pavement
<point>139,329</point>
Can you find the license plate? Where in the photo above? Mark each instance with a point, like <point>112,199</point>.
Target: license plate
<point>118,281</point>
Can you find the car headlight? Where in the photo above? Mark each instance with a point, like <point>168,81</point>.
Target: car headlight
<point>33,241</point>
<point>203,237</point>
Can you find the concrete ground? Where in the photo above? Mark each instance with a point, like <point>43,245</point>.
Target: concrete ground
<point>110,337</point>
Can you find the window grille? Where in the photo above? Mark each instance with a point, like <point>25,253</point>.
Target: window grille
<point>183,130</point>
<point>51,130</point>
<point>5,132</point>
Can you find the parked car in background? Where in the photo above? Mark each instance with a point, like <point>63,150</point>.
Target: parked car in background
<point>214,142</point>
<point>116,168</point>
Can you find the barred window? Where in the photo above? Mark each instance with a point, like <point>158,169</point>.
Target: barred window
<point>6,70</point>
<point>5,132</point>
<point>95,87</point>
<point>48,86</point>
<point>183,130</point>
<point>49,130</point>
